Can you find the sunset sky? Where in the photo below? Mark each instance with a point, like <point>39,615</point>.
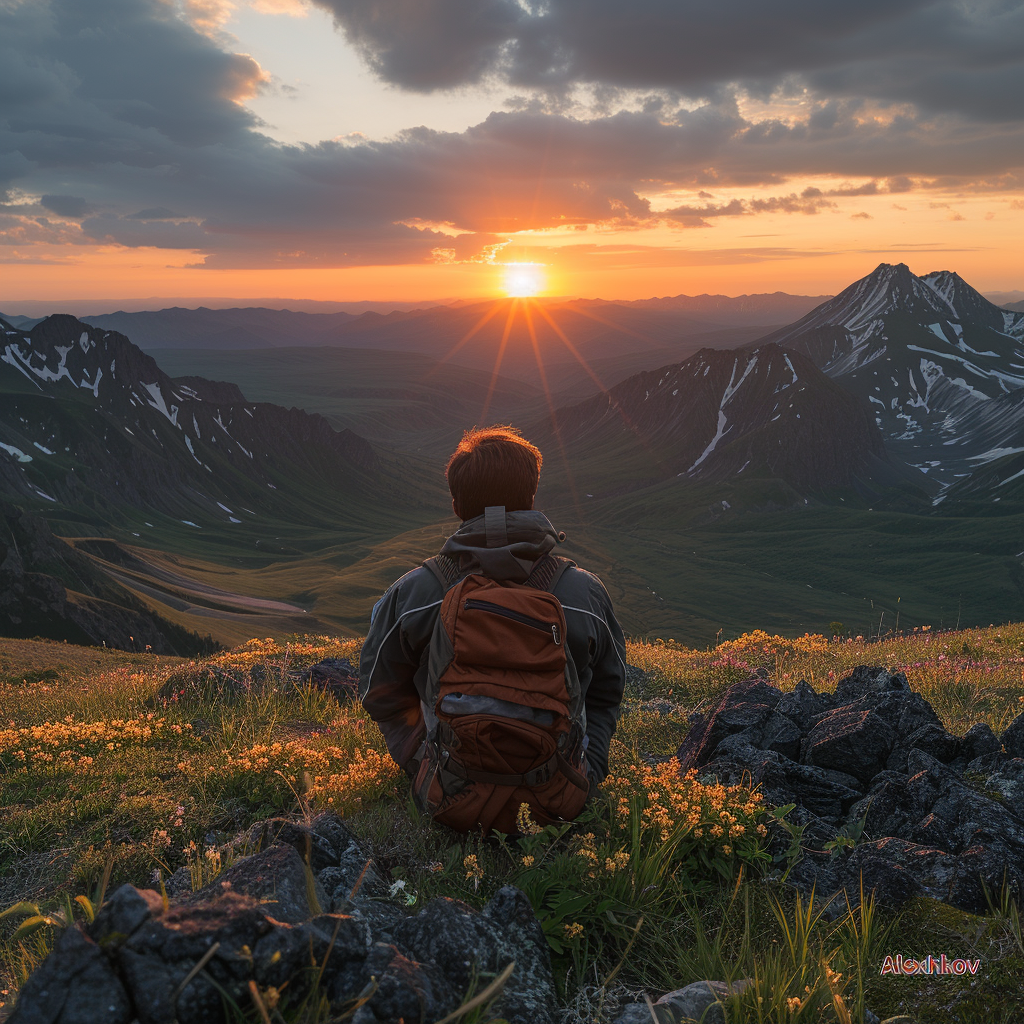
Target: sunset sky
<point>411,149</point>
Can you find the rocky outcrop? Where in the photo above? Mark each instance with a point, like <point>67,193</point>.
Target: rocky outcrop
<point>307,909</point>
<point>871,765</point>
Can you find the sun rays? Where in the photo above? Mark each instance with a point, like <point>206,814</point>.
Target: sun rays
<point>524,280</point>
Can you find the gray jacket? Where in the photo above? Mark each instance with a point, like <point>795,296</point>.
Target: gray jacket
<point>393,665</point>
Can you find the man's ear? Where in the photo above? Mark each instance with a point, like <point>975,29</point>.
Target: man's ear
<point>455,509</point>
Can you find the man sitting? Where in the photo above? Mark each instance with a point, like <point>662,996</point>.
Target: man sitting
<point>495,670</point>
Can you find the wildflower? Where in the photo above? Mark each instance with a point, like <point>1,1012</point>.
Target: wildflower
<point>528,861</point>
<point>573,931</point>
<point>474,872</point>
<point>794,1003</point>
<point>525,823</point>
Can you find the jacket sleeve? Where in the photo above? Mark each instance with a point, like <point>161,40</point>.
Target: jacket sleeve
<point>398,635</point>
<point>604,695</point>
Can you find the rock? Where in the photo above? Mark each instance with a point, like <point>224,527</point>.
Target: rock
<point>331,940</point>
<point>702,1001</point>
<point>934,740</point>
<point>979,740</point>
<point>380,916</point>
<point>981,874</point>
<point>855,742</point>
<point>321,843</point>
<point>823,792</point>
<point>1008,782</point>
<point>782,735</point>
<point>886,808</point>
<point>276,877</point>
<point>466,945</point>
<point>744,705</point>
<point>157,958</point>
<point>637,1013</point>
<point>335,676</point>
<point>741,744</point>
<point>987,763</point>
<point>126,911</point>
<point>1013,738</point>
<point>406,990</point>
<point>899,1020</point>
<point>802,706</point>
<point>75,984</point>
<point>865,680</point>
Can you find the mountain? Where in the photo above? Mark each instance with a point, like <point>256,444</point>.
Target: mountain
<point>736,310</point>
<point>91,424</point>
<point>467,333</point>
<point>48,589</point>
<point>761,413</point>
<point>939,363</point>
<point>252,327</point>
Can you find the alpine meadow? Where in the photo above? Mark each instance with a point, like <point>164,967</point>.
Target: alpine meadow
<point>511,512</point>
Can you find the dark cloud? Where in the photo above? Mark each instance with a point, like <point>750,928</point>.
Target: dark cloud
<point>123,117</point>
<point>961,56</point>
<point>66,206</point>
<point>426,44</point>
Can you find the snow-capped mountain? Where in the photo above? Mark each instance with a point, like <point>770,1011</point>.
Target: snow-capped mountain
<point>938,362</point>
<point>740,414</point>
<point>89,420</point>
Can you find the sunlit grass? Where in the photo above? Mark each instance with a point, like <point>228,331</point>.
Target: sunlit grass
<point>131,764</point>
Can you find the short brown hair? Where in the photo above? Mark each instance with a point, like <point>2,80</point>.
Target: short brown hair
<point>493,466</point>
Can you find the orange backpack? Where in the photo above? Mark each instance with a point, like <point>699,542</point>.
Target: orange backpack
<point>507,701</point>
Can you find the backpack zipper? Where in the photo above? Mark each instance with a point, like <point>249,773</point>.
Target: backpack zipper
<point>526,620</point>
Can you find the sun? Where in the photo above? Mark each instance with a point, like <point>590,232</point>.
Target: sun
<point>523,280</point>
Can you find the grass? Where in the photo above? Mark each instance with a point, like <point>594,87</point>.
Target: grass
<point>118,765</point>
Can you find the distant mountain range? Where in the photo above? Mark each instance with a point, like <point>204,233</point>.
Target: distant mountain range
<point>902,394</point>
<point>674,326</point>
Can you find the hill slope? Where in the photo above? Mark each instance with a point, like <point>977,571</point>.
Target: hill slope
<point>765,413</point>
<point>89,421</point>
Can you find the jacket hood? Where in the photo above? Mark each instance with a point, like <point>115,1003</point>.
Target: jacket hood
<point>502,545</point>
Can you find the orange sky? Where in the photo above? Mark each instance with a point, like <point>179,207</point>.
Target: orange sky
<point>288,148</point>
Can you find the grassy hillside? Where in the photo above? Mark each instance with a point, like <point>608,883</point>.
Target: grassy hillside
<point>137,765</point>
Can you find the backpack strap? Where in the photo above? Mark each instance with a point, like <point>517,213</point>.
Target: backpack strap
<point>548,571</point>
<point>445,569</point>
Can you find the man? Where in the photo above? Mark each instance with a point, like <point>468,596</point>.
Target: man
<point>493,476</point>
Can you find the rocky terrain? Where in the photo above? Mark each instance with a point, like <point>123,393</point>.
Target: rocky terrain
<point>270,926</point>
<point>882,791</point>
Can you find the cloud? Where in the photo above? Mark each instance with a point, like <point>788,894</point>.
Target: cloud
<point>66,206</point>
<point>142,137</point>
<point>940,55</point>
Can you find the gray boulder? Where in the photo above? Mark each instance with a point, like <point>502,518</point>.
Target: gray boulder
<point>851,741</point>
<point>467,946</point>
<point>1012,739</point>
<point>75,984</point>
<point>979,740</point>
<point>745,705</point>
<point>276,877</point>
<point>700,1002</point>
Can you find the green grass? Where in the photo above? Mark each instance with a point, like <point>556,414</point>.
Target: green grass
<point>626,908</point>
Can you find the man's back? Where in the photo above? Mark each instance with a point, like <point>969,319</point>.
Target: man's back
<point>394,669</point>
